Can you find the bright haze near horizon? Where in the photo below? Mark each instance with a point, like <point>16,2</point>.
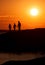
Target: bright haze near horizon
<point>31,13</point>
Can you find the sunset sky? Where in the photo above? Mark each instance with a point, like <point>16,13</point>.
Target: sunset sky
<point>13,10</point>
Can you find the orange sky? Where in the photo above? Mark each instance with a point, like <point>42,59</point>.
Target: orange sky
<point>19,10</point>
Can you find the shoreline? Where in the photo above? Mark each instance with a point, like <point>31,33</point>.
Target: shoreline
<point>22,57</point>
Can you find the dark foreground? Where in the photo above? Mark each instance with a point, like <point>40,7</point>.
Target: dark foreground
<point>38,61</point>
<point>23,41</point>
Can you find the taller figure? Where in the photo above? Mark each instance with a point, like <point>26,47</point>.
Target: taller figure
<point>19,25</point>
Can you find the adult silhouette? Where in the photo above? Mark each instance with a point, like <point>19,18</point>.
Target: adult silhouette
<point>19,25</point>
<point>10,27</point>
<point>14,26</point>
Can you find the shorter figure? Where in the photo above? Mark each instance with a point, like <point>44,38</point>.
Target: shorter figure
<point>9,27</point>
<point>14,26</point>
<point>19,25</point>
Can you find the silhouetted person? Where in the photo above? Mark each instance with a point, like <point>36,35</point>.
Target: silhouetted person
<point>10,27</point>
<point>19,25</point>
<point>14,26</point>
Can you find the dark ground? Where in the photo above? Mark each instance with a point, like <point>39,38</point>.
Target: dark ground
<point>23,41</point>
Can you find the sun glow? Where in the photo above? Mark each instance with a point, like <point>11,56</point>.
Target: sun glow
<point>34,12</point>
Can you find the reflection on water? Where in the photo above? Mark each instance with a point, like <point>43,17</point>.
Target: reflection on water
<point>24,56</point>
<point>2,32</point>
